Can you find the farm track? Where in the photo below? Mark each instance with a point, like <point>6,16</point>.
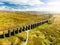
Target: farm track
<point>22,29</point>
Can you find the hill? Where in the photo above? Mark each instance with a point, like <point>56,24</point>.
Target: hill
<point>13,19</point>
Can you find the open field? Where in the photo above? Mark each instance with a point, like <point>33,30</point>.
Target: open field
<point>47,34</point>
<point>13,19</point>
<point>18,39</point>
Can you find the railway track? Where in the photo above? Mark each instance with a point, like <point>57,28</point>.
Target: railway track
<point>21,29</point>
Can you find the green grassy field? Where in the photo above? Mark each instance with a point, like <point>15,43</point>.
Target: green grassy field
<point>46,34</point>
<point>12,19</point>
<point>18,39</point>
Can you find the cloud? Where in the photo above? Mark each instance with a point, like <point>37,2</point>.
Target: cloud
<point>3,7</point>
<point>30,5</point>
<point>21,4</point>
<point>54,3</point>
<point>30,2</point>
<point>1,3</point>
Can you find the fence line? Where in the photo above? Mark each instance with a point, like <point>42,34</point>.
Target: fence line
<point>21,29</point>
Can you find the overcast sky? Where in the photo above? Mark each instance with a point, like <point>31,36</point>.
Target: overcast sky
<point>30,5</point>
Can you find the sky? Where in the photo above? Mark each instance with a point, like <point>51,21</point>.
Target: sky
<point>30,5</point>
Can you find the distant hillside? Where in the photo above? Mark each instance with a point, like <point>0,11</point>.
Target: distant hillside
<point>11,19</point>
